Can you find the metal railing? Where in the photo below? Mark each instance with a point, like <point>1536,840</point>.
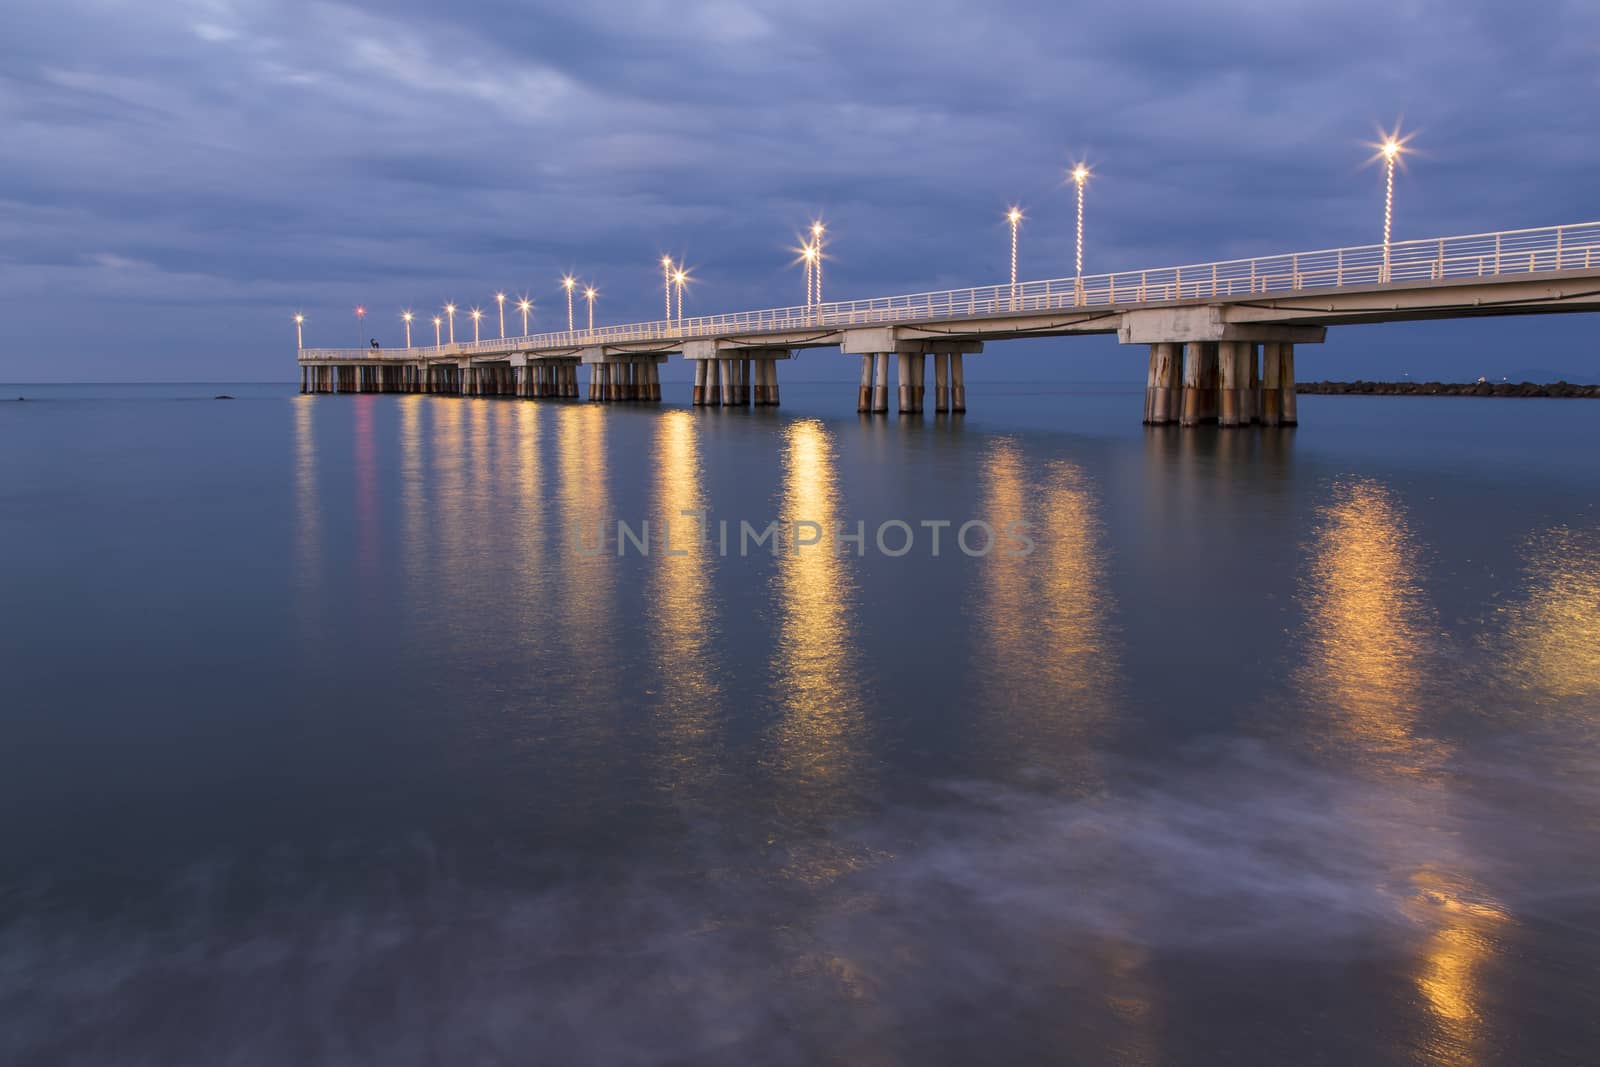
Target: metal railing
<point>1570,247</point>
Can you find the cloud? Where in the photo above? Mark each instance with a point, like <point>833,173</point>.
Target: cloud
<point>381,152</point>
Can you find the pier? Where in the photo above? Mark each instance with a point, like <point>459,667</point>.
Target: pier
<point>1221,337</point>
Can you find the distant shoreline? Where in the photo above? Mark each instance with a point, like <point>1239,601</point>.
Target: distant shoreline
<point>1558,390</point>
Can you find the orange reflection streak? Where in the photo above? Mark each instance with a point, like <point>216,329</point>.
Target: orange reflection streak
<point>414,522</point>
<point>681,604</point>
<point>1555,632</point>
<point>1367,623</point>
<point>587,581</point>
<point>1052,675</point>
<point>308,506</point>
<point>822,729</point>
<point>1045,616</point>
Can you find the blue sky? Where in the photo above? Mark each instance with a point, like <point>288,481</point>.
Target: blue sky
<point>176,179</point>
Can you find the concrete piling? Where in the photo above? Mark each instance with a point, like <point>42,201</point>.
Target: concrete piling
<point>958,384</point>
<point>1231,360</point>
<point>941,383</point>
<point>1286,399</point>
<point>880,384</point>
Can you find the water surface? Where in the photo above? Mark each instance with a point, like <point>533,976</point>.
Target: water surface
<point>326,742</point>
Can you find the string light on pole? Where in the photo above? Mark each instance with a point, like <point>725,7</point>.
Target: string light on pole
<point>589,294</point>
<point>299,331</point>
<point>567,282</point>
<point>524,305</point>
<point>680,278</point>
<point>477,317</point>
<point>450,314</point>
<point>666,283</point>
<point>500,298</point>
<point>817,230</point>
<point>406,317</point>
<point>1391,149</point>
<point>1014,217</point>
<point>1080,178</point>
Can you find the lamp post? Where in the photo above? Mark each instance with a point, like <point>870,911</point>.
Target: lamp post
<point>361,323</point>
<point>477,316</point>
<point>524,305</point>
<point>808,253</point>
<point>1390,150</point>
<point>450,314</point>
<point>500,298</point>
<point>567,282</point>
<point>405,316</point>
<point>437,322</point>
<point>666,283</point>
<point>1080,178</point>
<point>679,279</point>
<point>299,331</point>
<point>589,294</point>
<point>817,230</point>
<point>1014,216</point>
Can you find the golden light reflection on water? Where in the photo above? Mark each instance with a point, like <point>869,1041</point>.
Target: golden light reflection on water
<point>1045,619</point>
<point>1553,635</point>
<point>308,521</point>
<point>822,726</point>
<point>1367,626</point>
<point>1051,681</point>
<point>587,583</point>
<point>412,517</point>
<point>681,604</point>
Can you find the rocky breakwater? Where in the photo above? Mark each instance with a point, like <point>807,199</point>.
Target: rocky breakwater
<point>1517,389</point>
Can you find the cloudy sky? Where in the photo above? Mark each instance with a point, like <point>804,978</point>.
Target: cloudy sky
<point>178,177</point>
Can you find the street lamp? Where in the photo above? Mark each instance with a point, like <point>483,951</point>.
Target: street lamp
<point>406,317</point>
<point>436,323</point>
<point>589,294</point>
<point>477,316</point>
<point>1014,216</point>
<point>679,279</point>
<point>808,256</point>
<point>1080,178</point>
<point>817,230</point>
<point>361,322</point>
<point>524,305</point>
<point>500,298</point>
<point>567,282</point>
<point>1390,150</point>
<point>666,283</point>
<point>450,313</point>
<point>299,331</point>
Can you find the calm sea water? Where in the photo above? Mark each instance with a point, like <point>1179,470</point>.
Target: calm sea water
<point>324,741</point>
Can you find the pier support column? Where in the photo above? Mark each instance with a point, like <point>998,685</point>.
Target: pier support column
<point>1250,411</point>
<point>1271,400</point>
<point>880,383</point>
<point>941,382</point>
<point>1160,396</point>
<point>1231,359</point>
<point>772,383</point>
<point>919,380</point>
<point>958,384</point>
<point>903,380</point>
<point>1194,402</point>
<point>699,396</point>
<point>864,394</point>
<point>725,375</point>
<point>1287,402</point>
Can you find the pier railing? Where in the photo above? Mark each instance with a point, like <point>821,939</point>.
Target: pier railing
<point>1484,255</point>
